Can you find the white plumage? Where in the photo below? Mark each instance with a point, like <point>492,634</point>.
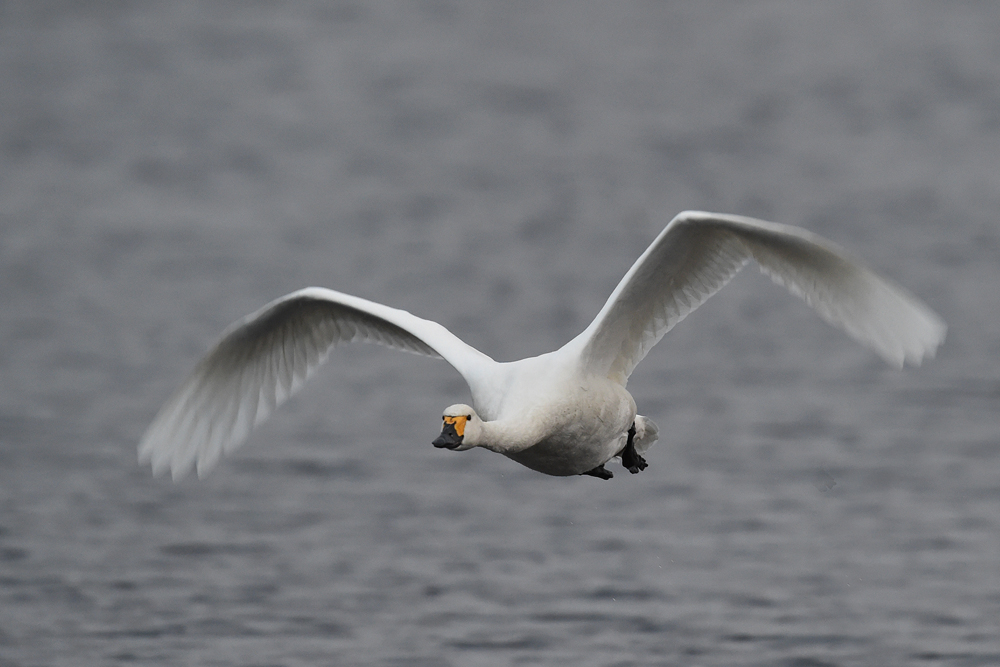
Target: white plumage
<point>562,413</point>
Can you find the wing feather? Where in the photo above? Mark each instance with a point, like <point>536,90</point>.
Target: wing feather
<point>698,253</point>
<point>266,357</point>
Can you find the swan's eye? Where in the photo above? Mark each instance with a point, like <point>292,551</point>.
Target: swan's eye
<point>468,416</point>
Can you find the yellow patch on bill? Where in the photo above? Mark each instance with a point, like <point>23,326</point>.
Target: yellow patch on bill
<point>458,423</point>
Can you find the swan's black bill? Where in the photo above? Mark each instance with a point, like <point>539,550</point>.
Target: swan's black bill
<point>449,438</point>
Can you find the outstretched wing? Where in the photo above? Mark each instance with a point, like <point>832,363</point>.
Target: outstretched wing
<point>266,357</point>
<point>698,253</point>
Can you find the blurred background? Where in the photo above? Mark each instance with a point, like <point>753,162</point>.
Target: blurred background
<point>167,167</point>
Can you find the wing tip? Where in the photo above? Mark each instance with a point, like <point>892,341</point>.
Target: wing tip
<point>929,346</point>
<point>922,346</point>
<point>152,452</point>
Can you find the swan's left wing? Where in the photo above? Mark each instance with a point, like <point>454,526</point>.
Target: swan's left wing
<point>698,253</point>
<point>266,357</point>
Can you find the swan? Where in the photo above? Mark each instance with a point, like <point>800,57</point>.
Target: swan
<point>562,413</point>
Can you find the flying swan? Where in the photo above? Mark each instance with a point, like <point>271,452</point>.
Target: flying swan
<point>562,413</point>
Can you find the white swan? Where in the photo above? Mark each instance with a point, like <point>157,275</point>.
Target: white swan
<point>562,413</point>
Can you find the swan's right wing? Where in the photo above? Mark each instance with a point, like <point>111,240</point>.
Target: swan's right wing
<point>698,253</point>
<point>266,357</point>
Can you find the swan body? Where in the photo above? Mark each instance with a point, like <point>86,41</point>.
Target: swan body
<point>562,413</point>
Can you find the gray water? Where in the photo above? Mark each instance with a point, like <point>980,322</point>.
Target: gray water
<point>167,167</point>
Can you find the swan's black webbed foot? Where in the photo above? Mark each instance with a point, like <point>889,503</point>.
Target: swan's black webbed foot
<point>599,471</point>
<point>630,458</point>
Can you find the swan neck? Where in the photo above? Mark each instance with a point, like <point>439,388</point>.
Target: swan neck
<point>505,436</point>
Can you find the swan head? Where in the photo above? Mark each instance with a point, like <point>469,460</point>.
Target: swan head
<point>461,429</point>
